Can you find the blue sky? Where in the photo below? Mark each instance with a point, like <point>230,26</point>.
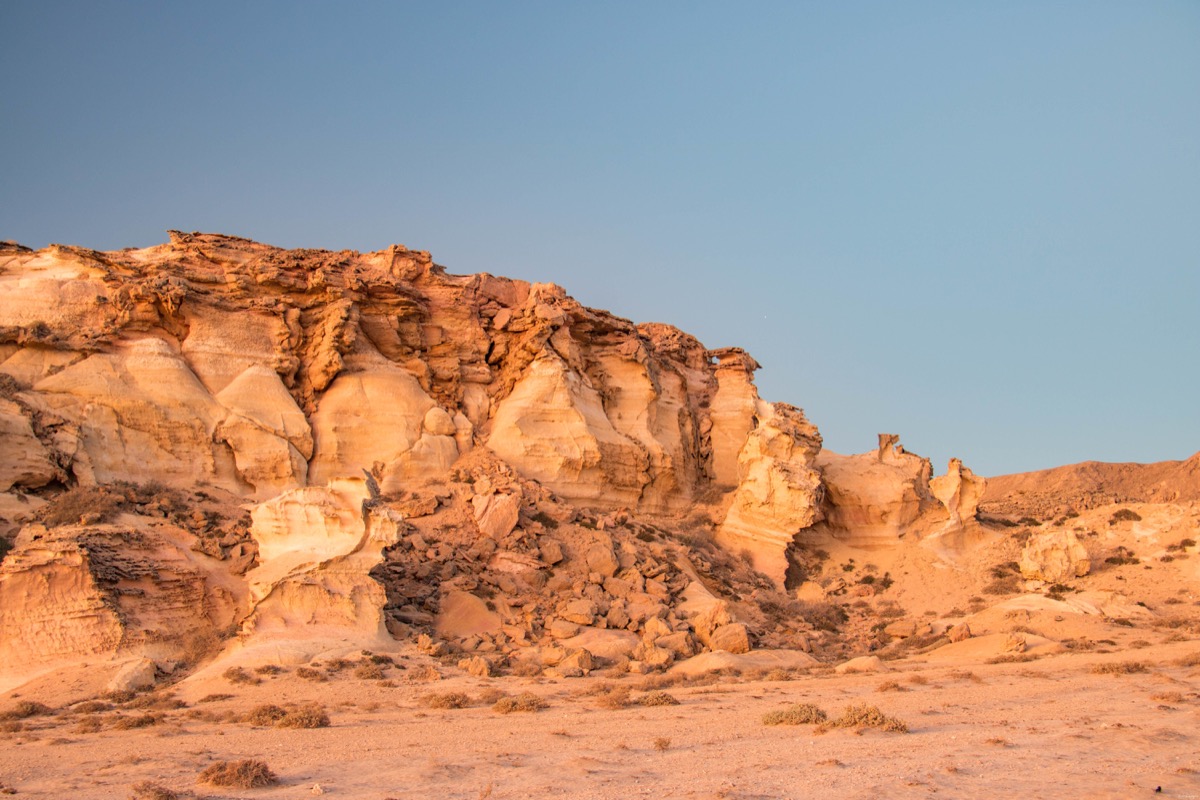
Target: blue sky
<point>973,224</point>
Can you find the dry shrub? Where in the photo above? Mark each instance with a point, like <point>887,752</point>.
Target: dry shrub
<point>91,707</point>
<point>890,686</point>
<point>337,664</point>
<point>662,744</point>
<point>798,714</point>
<point>526,701</point>
<point>964,674</point>
<point>246,774</point>
<point>1167,697</point>
<point>490,695</point>
<point>822,615</point>
<point>447,700</point>
<point>269,669</point>
<point>780,674</point>
<point>918,680</point>
<point>369,671</point>
<point>89,724</point>
<point>137,721</point>
<point>1013,658</point>
<point>215,698</point>
<point>146,790</point>
<point>90,505</point>
<point>265,715</point>
<point>614,697</point>
<point>1009,584</point>
<point>309,716</point>
<point>310,674</point>
<point>25,709</point>
<point>239,675</point>
<point>861,715</point>
<point>525,669</point>
<point>656,699</point>
<point>1190,660</point>
<point>1120,668</point>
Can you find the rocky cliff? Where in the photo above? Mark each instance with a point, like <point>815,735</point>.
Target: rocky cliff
<point>214,440</point>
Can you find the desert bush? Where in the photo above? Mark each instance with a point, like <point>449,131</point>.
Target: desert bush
<point>662,744</point>
<point>89,724</point>
<point>310,674</point>
<point>308,716</point>
<point>446,700</point>
<point>1008,584</point>
<point>91,505</point>
<point>370,671</point>
<point>265,715</point>
<point>269,669</point>
<point>797,714</point>
<point>490,695</point>
<point>890,686</point>
<point>25,709</point>
<point>1124,515</point>
<point>1121,556</point>
<point>146,790</point>
<point>1167,697</point>
<point>136,721</point>
<point>239,675</point>
<point>861,715</point>
<point>1120,668</point>
<point>822,615</point>
<point>1181,545</point>
<point>1190,660</point>
<point>246,774</point>
<point>526,701</point>
<point>91,707</point>
<point>613,697</point>
<point>656,699</point>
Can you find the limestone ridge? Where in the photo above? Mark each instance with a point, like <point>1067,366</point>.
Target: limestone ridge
<point>222,372</point>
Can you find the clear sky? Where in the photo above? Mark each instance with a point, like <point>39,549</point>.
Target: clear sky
<point>973,224</point>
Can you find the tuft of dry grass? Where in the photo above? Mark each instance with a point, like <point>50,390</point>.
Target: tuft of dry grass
<point>239,675</point>
<point>137,721</point>
<point>797,714</point>
<point>1190,660</point>
<point>890,686</point>
<point>861,715</point>
<point>526,701</point>
<point>1120,668</point>
<point>446,700</point>
<point>656,699</point>
<point>310,674</point>
<point>308,716</point>
<point>147,790</point>
<point>1167,697</point>
<point>369,671</point>
<point>662,744</point>
<point>25,709</point>
<point>265,715</point>
<point>270,715</point>
<point>269,669</point>
<point>246,774</point>
<point>214,698</point>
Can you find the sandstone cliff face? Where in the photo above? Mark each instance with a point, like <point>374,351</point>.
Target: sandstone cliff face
<point>310,384</point>
<point>260,370</point>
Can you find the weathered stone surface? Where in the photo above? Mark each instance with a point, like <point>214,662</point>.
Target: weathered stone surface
<point>1054,557</point>
<point>959,490</point>
<point>732,638</point>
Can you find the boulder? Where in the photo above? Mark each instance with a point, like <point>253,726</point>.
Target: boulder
<point>134,677</point>
<point>1054,557</point>
<point>732,638</point>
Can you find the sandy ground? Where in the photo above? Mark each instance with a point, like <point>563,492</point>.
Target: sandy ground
<point>1048,728</point>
